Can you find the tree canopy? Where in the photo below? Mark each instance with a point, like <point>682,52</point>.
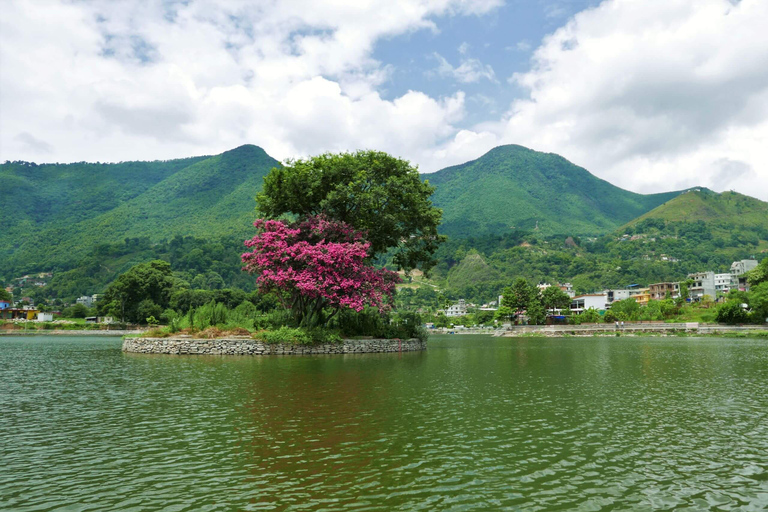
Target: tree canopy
<point>759,274</point>
<point>555,298</point>
<point>369,190</point>
<point>317,264</point>
<point>143,291</point>
<point>519,295</point>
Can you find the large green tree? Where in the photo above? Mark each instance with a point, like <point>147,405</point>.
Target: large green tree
<point>369,190</point>
<point>555,298</point>
<point>144,288</point>
<point>519,295</point>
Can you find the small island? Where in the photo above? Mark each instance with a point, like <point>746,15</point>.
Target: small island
<point>331,226</point>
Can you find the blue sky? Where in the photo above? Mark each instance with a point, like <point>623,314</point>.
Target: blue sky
<point>651,95</point>
<point>503,40</point>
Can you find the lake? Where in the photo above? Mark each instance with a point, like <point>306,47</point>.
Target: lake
<point>474,423</point>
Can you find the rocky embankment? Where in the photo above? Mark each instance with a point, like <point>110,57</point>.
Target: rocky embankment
<point>243,345</point>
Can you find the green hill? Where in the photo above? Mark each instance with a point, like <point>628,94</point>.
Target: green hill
<point>721,212</point>
<point>512,187</point>
<point>57,213</point>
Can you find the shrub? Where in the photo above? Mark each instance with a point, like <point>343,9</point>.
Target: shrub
<point>286,335</point>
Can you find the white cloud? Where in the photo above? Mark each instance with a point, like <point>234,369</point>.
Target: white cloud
<point>652,95</point>
<point>468,71</point>
<point>104,80</point>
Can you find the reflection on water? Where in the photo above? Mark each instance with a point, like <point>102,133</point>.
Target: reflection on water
<point>474,423</point>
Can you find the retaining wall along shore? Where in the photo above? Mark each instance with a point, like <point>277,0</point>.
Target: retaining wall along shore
<point>246,346</point>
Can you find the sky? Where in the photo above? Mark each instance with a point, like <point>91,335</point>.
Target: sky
<point>651,95</point>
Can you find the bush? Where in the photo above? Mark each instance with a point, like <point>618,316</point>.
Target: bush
<point>299,336</point>
<point>320,335</point>
<point>368,322</point>
<point>731,312</point>
<point>286,335</point>
<point>406,325</point>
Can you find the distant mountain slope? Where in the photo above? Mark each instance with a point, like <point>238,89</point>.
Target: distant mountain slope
<point>515,187</point>
<point>58,212</point>
<point>722,212</point>
<point>33,195</point>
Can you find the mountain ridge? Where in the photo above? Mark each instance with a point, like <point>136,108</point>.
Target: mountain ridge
<point>539,190</point>
<point>71,208</point>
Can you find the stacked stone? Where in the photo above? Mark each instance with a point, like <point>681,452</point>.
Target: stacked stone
<point>247,346</point>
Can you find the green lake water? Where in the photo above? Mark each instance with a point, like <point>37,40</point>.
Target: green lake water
<point>474,423</point>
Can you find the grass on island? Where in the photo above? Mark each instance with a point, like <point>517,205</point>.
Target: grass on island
<point>215,320</point>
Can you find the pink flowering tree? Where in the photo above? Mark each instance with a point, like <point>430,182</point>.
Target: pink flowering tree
<point>317,267</point>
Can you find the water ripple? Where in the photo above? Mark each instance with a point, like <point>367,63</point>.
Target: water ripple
<point>473,424</point>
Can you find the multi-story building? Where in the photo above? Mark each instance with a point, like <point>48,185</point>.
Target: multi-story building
<point>703,284</point>
<point>722,283</point>
<point>738,269</point>
<point>568,289</point>
<point>641,295</point>
<point>614,295</point>
<point>85,300</point>
<point>458,309</point>
<point>658,291</point>
<point>565,287</point>
<point>88,300</point>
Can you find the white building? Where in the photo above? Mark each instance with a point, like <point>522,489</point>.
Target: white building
<point>88,300</point>
<point>568,289</point>
<point>703,284</point>
<point>581,303</point>
<point>738,269</point>
<point>614,295</point>
<point>722,283</point>
<point>45,317</point>
<point>458,309</point>
<point>85,300</point>
<point>565,287</point>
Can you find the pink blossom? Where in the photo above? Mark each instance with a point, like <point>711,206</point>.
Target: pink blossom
<point>317,262</point>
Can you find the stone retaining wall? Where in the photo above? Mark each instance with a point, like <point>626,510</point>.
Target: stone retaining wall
<point>246,346</point>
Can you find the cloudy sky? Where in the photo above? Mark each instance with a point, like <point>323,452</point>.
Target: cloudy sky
<point>652,95</point>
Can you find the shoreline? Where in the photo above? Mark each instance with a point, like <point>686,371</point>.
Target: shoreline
<point>637,329</point>
<point>68,332</point>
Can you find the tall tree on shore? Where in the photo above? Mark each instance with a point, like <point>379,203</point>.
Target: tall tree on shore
<point>370,191</point>
<point>144,290</point>
<point>518,296</point>
<point>554,298</point>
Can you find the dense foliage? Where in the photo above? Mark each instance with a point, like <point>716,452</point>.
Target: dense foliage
<point>54,214</point>
<point>316,265</point>
<point>369,190</point>
<point>142,292</point>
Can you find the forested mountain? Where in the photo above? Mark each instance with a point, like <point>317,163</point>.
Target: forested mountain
<point>89,222</point>
<point>512,187</point>
<point>54,214</point>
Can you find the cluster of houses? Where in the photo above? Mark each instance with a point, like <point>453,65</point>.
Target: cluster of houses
<point>704,284</point>
<point>9,311</point>
<point>707,284</point>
